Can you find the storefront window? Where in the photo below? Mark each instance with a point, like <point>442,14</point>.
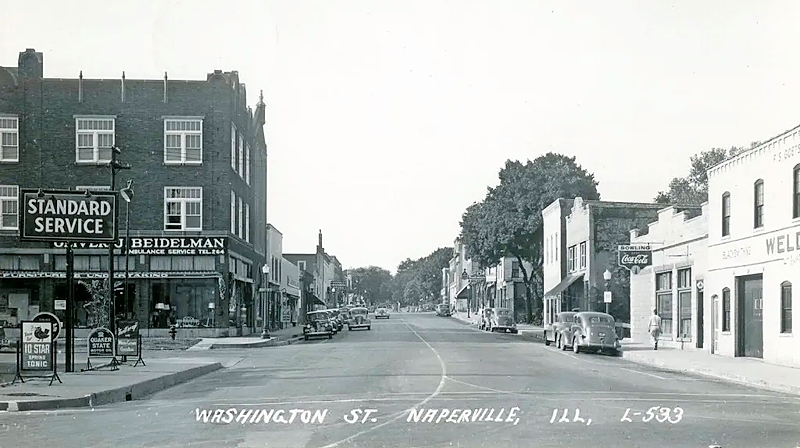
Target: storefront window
<point>182,302</point>
<point>664,301</point>
<point>685,302</point>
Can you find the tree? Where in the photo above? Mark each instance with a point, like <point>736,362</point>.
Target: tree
<point>421,279</point>
<point>509,221</point>
<point>693,189</point>
<point>372,282</point>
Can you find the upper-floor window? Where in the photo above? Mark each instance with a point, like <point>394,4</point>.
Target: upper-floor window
<point>94,138</point>
<point>571,259</point>
<point>247,222</point>
<point>241,219</point>
<point>241,156</point>
<point>233,212</point>
<point>302,265</point>
<point>183,140</point>
<point>9,139</point>
<point>758,204</point>
<point>726,214</point>
<point>583,255</point>
<point>9,207</point>
<point>786,307</point>
<point>796,191</point>
<point>183,208</point>
<point>247,164</point>
<point>233,147</point>
<point>515,271</point>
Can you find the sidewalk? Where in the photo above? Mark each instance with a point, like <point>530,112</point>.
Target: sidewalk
<point>277,338</point>
<point>751,372</point>
<point>99,387</point>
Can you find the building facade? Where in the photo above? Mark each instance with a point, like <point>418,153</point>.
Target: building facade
<point>554,264</point>
<point>754,250</point>
<point>324,269</point>
<point>674,283</point>
<point>290,294</point>
<point>197,157</point>
<point>593,231</point>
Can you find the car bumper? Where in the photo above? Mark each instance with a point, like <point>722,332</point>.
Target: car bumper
<point>600,345</point>
<point>505,328</point>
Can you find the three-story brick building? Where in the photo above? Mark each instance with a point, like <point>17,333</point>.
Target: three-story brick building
<point>198,219</point>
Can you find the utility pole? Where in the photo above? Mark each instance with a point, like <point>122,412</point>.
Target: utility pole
<point>115,167</point>
<point>70,311</point>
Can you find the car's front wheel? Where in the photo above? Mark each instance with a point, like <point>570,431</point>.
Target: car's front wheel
<point>546,341</point>
<point>575,348</point>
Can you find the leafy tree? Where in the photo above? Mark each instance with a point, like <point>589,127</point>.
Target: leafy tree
<point>421,279</point>
<point>509,220</point>
<point>693,189</point>
<point>372,282</point>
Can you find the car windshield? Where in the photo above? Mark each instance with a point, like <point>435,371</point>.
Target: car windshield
<point>358,312</point>
<point>566,317</point>
<point>317,316</point>
<point>503,312</point>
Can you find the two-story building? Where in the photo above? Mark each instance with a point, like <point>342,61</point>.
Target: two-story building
<point>754,250</point>
<point>592,231</point>
<point>197,157</point>
<point>673,284</point>
<point>290,294</point>
<point>325,269</point>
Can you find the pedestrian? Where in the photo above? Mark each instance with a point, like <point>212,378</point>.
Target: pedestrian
<point>654,327</point>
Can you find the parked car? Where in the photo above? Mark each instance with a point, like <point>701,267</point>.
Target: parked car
<point>319,325</point>
<point>502,319</point>
<point>554,330</point>
<point>381,313</point>
<point>592,331</point>
<point>443,310</point>
<point>359,318</point>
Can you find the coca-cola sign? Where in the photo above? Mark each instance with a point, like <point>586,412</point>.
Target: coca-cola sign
<point>634,257</point>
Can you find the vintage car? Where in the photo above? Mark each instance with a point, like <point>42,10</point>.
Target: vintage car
<point>554,330</point>
<point>319,325</point>
<point>381,313</point>
<point>443,310</point>
<point>337,318</point>
<point>501,319</point>
<point>359,318</point>
<point>592,331</point>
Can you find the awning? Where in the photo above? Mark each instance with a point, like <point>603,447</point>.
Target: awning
<point>314,300</point>
<point>564,284</point>
<point>459,295</point>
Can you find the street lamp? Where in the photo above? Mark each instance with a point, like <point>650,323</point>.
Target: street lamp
<point>607,278</point>
<point>127,195</point>
<point>265,281</point>
<point>465,276</point>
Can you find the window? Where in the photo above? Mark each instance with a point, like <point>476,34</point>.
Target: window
<point>94,138</point>
<point>664,301</point>
<point>233,212</point>
<point>558,244</point>
<point>241,218</point>
<point>515,272</point>
<point>183,140</point>
<point>726,309</point>
<point>302,265</point>
<point>9,207</point>
<point>241,156</point>
<point>247,164</point>
<point>758,204</point>
<point>571,259</point>
<point>685,302</point>
<point>786,307</point>
<point>247,222</point>
<point>9,139</point>
<point>183,208</point>
<point>583,255</point>
<point>233,147</point>
<point>796,192</point>
<point>726,214</point>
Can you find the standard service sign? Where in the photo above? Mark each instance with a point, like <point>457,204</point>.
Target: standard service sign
<point>59,215</point>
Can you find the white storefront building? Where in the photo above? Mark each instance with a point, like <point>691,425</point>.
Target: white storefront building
<point>674,283</point>
<point>754,251</point>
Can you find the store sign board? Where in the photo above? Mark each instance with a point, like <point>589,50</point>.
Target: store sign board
<point>64,215</point>
<point>37,346</point>
<point>101,343</point>
<point>102,275</point>
<point>147,245</point>
<point>128,337</point>
<point>634,257</point>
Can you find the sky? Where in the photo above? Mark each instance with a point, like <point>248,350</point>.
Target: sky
<point>386,119</point>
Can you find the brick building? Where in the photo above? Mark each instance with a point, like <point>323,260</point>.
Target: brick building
<point>324,269</point>
<point>198,158</point>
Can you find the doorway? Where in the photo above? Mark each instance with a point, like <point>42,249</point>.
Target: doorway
<point>750,317</point>
<point>700,319</point>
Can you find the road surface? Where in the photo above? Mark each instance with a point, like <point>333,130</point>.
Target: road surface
<point>470,389</point>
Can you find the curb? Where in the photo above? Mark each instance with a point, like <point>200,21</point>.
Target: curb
<point>272,342</point>
<point>126,393</point>
<point>730,378</point>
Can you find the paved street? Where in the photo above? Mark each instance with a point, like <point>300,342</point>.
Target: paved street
<point>433,363</point>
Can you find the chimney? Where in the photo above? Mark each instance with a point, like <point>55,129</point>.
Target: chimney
<point>122,88</point>
<point>320,239</point>
<point>31,64</point>
<point>165,87</point>
<point>80,87</point>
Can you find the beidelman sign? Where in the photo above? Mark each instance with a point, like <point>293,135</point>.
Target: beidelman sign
<point>59,215</point>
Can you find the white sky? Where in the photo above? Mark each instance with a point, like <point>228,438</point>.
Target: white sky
<point>386,119</point>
